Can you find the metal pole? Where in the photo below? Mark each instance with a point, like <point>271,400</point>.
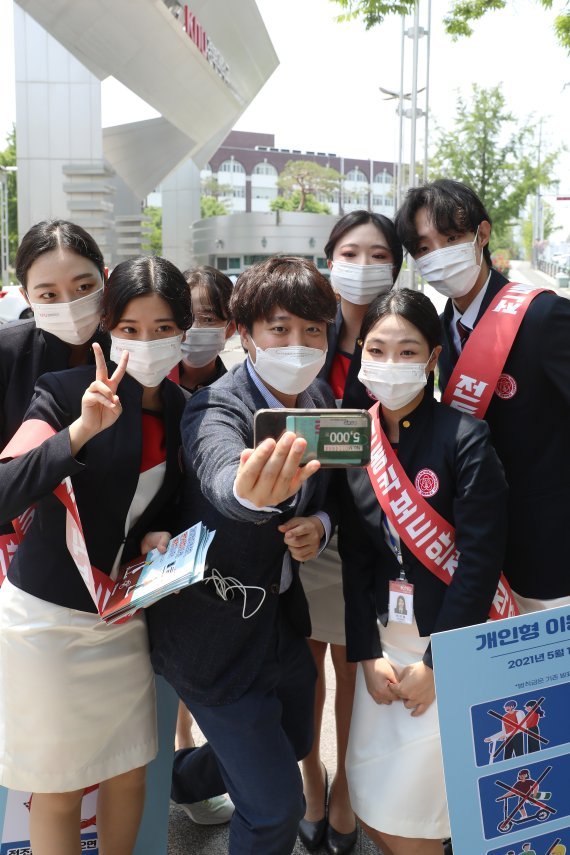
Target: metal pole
<point>426,126</point>
<point>4,244</point>
<point>414,104</point>
<point>399,184</point>
<point>537,205</point>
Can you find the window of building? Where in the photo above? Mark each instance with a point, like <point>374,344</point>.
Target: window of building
<point>222,263</point>
<point>234,263</point>
<point>356,175</point>
<point>264,192</point>
<point>383,177</point>
<point>231,166</point>
<point>322,263</point>
<point>264,169</point>
<point>254,259</point>
<point>238,192</point>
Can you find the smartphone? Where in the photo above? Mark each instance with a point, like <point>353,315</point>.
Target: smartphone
<point>337,438</point>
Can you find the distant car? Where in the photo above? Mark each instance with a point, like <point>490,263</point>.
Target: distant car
<point>13,306</point>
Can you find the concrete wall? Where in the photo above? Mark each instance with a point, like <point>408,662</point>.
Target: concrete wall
<point>58,120</point>
<point>180,208</point>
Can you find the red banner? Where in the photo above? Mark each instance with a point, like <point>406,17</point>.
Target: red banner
<point>32,434</point>
<point>424,531</point>
<point>478,369</point>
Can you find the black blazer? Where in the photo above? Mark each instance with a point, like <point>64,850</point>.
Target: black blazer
<point>472,496</point>
<point>25,354</point>
<point>104,476</point>
<point>355,393</point>
<point>530,433</point>
<point>199,642</point>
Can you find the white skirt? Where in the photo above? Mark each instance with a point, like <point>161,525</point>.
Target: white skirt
<point>322,582</point>
<point>527,605</point>
<point>77,697</point>
<point>393,763</point>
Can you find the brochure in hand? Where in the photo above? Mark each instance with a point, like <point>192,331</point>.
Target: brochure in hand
<point>148,579</point>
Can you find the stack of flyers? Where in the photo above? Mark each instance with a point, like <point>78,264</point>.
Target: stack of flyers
<point>148,579</point>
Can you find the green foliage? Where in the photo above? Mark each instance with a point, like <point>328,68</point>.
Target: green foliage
<point>307,179</point>
<point>291,203</point>
<point>8,158</point>
<point>373,12</point>
<point>457,21</point>
<point>215,198</point>
<point>212,187</point>
<point>152,243</point>
<point>494,153</point>
<point>212,207</point>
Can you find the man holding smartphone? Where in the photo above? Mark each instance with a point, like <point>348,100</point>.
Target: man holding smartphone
<point>234,648</point>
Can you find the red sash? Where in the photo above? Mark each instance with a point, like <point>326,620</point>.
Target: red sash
<point>31,434</point>
<point>424,531</point>
<point>478,369</point>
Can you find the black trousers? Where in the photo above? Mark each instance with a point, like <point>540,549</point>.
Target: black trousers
<point>253,747</point>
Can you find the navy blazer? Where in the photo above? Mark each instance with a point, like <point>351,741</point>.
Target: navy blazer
<point>26,353</point>
<point>104,477</point>
<point>471,495</point>
<point>200,642</point>
<point>530,433</point>
<point>355,393</point>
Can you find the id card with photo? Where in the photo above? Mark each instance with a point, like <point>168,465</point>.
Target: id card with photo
<point>401,602</point>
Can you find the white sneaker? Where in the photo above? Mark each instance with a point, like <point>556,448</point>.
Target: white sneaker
<point>214,811</point>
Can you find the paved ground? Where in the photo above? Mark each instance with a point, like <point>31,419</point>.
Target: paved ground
<point>186,838</point>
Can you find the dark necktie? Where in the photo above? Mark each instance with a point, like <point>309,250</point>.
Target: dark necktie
<point>463,332</point>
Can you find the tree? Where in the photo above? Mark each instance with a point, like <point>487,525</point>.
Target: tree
<point>8,158</point>
<point>291,203</point>
<point>153,241</point>
<point>211,207</point>
<point>457,21</point>
<point>307,178</point>
<point>212,187</point>
<point>215,198</point>
<point>500,162</point>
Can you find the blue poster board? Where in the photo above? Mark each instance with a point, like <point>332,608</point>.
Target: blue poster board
<point>153,833</point>
<point>503,691</point>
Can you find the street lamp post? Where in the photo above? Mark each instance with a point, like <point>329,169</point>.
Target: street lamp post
<point>415,32</point>
<point>4,233</point>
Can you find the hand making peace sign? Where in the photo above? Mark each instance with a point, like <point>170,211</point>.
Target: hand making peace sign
<point>100,405</point>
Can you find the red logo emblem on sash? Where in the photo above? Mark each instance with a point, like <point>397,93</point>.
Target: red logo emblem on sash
<point>426,483</point>
<point>506,387</point>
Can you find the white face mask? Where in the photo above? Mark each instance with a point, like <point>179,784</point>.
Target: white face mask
<point>73,322</point>
<point>453,270</point>
<point>394,384</point>
<point>361,283</point>
<point>202,345</point>
<point>289,370</point>
<point>149,361</point>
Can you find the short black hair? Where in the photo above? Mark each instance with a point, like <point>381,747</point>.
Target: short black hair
<point>450,205</point>
<point>360,218</point>
<point>293,283</point>
<point>217,285</point>
<point>54,234</point>
<point>138,277</point>
<point>414,306</point>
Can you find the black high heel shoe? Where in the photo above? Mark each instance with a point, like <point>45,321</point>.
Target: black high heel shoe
<point>339,844</point>
<point>311,833</point>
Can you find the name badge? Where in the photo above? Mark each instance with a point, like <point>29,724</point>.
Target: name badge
<point>401,602</point>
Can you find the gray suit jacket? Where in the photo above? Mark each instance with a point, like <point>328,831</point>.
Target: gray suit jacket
<point>200,642</point>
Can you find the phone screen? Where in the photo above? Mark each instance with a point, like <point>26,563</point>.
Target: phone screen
<point>334,437</point>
